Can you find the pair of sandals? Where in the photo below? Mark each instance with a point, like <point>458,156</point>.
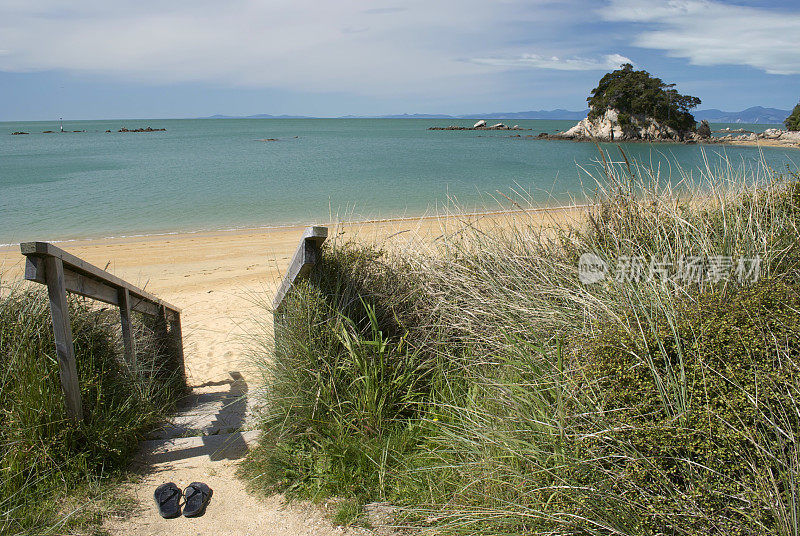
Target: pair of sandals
<point>168,499</point>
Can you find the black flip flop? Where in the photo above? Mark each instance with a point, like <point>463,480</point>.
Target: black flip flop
<point>168,500</point>
<point>196,497</point>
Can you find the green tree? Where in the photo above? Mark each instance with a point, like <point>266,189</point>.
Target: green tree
<point>793,121</point>
<point>637,93</point>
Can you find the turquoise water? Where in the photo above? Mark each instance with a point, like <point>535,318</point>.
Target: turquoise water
<point>217,174</point>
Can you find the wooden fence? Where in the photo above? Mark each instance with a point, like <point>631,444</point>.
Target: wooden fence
<point>62,273</point>
<point>306,256</point>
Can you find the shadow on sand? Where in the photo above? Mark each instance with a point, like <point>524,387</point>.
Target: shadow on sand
<point>196,431</point>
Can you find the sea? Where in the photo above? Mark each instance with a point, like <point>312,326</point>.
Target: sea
<point>216,174</point>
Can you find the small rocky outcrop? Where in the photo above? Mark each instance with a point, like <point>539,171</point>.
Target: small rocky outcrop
<point>148,129</point>
<point>774,135</point>
<point>480,125</point>
<point>783,135</point>
<point>614,126</point>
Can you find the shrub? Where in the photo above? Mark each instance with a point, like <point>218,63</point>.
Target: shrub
<point>703,423</point>
<point>793,121</point>
<point>45,457</point>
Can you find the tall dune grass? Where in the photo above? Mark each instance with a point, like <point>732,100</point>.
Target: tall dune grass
<point>541,404</point>
<point>55,472</point>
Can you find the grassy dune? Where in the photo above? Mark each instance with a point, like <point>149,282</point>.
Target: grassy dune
<point>478,385</point>
<point>57,476</point>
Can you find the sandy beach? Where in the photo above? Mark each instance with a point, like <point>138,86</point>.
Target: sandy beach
<point>224,281</point>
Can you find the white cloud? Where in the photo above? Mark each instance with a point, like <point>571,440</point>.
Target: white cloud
<point>358,46</point>
<point>708,32</point>
<point>536,61</point>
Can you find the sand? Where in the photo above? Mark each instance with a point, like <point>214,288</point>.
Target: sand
<point>224,283</point>
<point>764,143</point>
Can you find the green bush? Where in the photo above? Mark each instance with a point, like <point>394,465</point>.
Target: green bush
<point>793,121</point>
<point>46,458</point>
<point>723,447</point>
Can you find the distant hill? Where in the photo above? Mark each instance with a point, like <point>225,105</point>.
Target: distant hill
<point>405,116</point>
<point>538,114</point>
<point>258,116</point>
<point>755,115</point>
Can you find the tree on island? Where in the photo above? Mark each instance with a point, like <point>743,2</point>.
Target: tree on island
<point>636,93</point>
<point>793,121</point>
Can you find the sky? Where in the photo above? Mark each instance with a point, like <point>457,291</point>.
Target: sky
<point>98,59</point>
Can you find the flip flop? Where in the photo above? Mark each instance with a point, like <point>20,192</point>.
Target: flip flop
<point>197,495</point>
<point>168,497</point>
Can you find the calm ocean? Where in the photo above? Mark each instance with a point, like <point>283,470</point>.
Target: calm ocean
<point>204,174</point>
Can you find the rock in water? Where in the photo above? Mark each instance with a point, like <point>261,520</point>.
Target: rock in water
<point>613,126</point>
<point>479,124</point>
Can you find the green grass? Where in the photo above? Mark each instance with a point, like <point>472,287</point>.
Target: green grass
<point>479,385</point>
<point>57,475</point>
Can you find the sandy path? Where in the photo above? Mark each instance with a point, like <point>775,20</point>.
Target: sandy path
<point>222,281</point>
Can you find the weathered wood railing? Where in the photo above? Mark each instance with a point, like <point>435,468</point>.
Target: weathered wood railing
<point>306,256</point>
<point>62,273</point>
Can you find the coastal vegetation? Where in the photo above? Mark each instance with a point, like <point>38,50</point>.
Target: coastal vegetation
<point>478,386</point>
<point>58,475</point>
<point>793,121</point>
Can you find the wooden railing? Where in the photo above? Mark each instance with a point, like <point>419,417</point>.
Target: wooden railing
<point>306,256</point>
<point>62,273</point>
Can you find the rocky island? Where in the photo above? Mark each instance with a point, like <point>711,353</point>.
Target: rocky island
<point>629,105</point>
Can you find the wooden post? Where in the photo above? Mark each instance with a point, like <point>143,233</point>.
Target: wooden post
<point>127,327</point>
<point>62,330</point>
<point>306,256</point>
<point>162,326</point>
<point>177,337</point>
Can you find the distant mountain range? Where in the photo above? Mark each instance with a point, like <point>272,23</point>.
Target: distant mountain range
<point>756,114</point>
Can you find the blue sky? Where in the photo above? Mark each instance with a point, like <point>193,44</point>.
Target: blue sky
<point>94,59</point>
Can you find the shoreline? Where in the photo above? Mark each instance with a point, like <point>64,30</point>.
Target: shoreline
<point>780,144</point>
<point>224,281</point>
<point>288,227</point>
